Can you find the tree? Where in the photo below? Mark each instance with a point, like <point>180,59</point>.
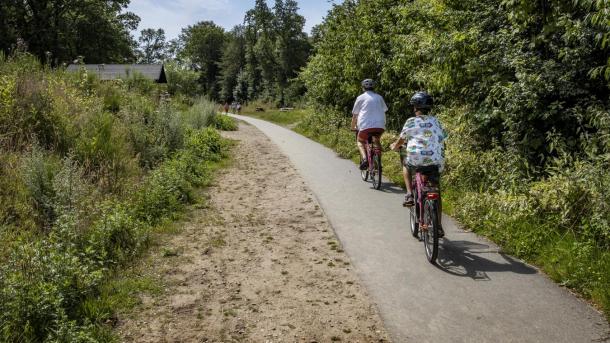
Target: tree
<point>203,46</point>
<point>260,50</point>
<point>153,48</point>
<point>64,29</point>
<point>232,62</point>
<point>292,47</point>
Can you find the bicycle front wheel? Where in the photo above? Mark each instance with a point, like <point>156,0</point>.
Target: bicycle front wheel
<point>364,174</point>
<point>431,231</point>
<point>376,171</point>
<point>414,221</point>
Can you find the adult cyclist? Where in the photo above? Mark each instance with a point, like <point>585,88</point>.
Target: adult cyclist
<point>368,118</point>
<point>420,142</point>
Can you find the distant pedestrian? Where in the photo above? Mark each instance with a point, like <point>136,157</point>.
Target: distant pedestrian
<point>238,108</point>
<point>226,107</point>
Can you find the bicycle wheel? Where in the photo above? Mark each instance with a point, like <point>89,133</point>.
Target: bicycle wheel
<point>376,171</point>
<point>413,211</point>
<point>364,174</point>
<point>431,232</point>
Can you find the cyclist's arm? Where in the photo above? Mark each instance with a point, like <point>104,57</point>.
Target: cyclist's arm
<point>396,145</point>
<point>404,135</point>
<point>354,121</point>
<point>355,113</point>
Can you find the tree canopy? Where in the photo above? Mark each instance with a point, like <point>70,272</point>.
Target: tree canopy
<point>59,31</point>
<point>533,74</point>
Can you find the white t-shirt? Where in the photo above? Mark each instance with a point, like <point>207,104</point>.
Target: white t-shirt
<point>370,108</point>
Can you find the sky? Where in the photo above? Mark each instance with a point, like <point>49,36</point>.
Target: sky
<point>173,15</point>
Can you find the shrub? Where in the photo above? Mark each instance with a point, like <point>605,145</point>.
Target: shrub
<point>39,171</point>
<point>103,151</point>
<point>225,123</point>
<point>68,164</point>
<point>200,114</point>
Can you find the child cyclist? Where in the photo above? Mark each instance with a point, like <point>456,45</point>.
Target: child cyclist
<point>420,142</point>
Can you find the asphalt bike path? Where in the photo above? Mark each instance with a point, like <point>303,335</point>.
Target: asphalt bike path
<point>475,294</point>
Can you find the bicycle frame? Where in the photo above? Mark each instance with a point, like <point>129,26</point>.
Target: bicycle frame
<point>371,150</point>
<point>422,190</point>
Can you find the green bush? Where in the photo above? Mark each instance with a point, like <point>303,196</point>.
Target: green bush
<point>199,115</point>
<point>82,189</point>
<point>225,123</point>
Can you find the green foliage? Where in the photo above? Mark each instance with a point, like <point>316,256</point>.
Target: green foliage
<point>75,206</point>
<point>258,60</point>
<point>225,123</point>
<point>200,114</point>
<point>59,31</point>
<point>102,149</point>
<point>152,46</point>
<point>203,46</point>
<point>182,81</point>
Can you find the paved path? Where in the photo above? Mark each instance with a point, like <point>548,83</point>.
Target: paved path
<point>476,294</point>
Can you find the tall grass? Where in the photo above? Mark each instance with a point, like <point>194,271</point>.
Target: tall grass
<point>86,170</point>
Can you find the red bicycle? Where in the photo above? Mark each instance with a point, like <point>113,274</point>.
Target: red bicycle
<point>425,215</point>
<point>373,153</point>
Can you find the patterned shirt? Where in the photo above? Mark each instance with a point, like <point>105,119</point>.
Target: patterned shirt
<point>424,138</point>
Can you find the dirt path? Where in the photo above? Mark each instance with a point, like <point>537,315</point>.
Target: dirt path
<point>259,264</point>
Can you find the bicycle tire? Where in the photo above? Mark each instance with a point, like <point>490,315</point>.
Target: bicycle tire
<point>413,215</point>
<point>431,234</point>
<point>413,221</point>
<point>364,174</point>
<point>376,175</point>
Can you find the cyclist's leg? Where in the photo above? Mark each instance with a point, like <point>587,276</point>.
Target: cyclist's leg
<point>407,174</point>
<point>361,138</point>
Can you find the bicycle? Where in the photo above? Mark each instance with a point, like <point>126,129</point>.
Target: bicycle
<point>425,214</point>
<point>374,170</point>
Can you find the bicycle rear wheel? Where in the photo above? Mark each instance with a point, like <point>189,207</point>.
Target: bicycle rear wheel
<point>431,232</point>
<point>376,171</point>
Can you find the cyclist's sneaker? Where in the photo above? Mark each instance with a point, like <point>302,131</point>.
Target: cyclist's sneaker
<point>408,200</point>
<point>364,164</point>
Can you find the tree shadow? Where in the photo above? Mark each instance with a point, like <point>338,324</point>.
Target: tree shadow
<point>465,259</point>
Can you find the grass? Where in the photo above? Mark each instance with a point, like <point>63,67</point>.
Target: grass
<point>287,118</point>
<point>121,293</point>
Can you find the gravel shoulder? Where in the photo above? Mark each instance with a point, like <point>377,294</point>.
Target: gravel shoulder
<point>259,263</point>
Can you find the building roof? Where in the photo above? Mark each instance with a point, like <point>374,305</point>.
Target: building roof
<point>155,72</point>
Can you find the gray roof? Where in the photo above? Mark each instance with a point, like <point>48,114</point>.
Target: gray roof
<point>155,72</point>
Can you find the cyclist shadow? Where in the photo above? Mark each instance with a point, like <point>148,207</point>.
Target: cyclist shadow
<point>388,187</point>
<point>465,259</point>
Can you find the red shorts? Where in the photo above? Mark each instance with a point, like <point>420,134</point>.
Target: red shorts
<point>363,135</point>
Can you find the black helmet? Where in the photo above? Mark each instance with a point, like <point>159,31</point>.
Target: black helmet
<point>368,84</point>
<point>422,100</point>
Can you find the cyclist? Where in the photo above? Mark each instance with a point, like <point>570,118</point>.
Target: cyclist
<point>420,142</point>
<point>368,118</point>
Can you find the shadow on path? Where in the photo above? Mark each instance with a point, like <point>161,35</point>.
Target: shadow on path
<point>466,259</point>
<point>388,187</point>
